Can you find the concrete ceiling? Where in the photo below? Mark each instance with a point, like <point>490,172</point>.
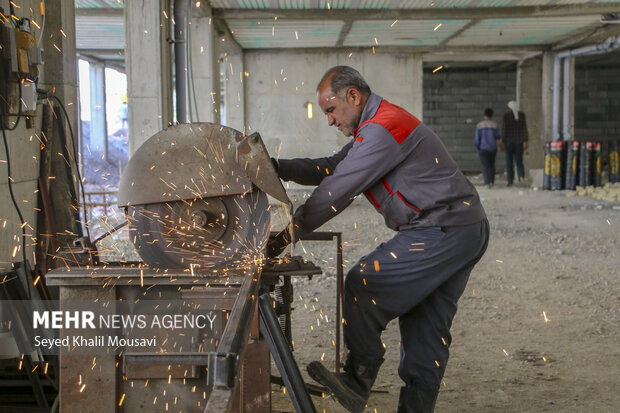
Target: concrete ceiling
<point>511,29</point>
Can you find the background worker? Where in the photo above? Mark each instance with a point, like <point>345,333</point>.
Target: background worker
<point>486,141</point>
<point>514,140</point>
<point>417,276</point>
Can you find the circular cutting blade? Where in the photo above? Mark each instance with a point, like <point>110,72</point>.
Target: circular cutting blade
<point>219,233</point>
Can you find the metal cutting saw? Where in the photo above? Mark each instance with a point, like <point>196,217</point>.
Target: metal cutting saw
<point>195,197</point>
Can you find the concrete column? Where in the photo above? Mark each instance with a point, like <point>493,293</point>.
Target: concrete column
<point>530,97</point>
<point>60,76</point>
<point>148,69</point>
<point>60,68</point>
<point>205,70</point>
<point>234,94</point>
<point>98,129</point>
<point>233,75</point>
<point>568,105</point>
<point>417,87</point>
<point>547,95</point>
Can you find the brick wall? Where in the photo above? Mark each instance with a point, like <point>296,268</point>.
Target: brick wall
<point>454,102</point>
<point>597,103</point>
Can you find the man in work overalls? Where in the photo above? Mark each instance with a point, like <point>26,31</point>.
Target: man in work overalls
<point>405,171</point>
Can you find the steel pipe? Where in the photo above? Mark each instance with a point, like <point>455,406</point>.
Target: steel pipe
<point>181,12</point>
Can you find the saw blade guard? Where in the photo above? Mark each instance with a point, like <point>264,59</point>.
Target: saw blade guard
<point>187,161</point>
<point>195,196</point>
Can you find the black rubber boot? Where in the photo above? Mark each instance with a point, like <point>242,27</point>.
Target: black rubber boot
<point>352,387</point>
<point>416,399</point>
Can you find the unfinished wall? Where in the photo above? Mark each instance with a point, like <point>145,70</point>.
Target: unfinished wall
<point>597,103</point>
<point>454,102</point>
<point>280,84</point>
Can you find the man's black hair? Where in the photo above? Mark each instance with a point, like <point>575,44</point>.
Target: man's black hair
<point>344,77</point>
<point>488,112</point>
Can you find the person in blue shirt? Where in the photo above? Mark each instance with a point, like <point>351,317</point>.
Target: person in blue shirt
<point>486,141</point>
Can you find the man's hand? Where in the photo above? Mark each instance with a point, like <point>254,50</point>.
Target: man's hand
<point>278,243</point>
<point>525,145</point>
<point>503,147</point>
<point>276,166</point>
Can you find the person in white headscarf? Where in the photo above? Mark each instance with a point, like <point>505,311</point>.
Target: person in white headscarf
<point>514,141</point>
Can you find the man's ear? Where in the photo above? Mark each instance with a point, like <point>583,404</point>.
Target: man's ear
<point>354,95</point>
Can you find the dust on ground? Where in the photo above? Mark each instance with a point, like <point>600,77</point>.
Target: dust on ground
<point>537,327</point>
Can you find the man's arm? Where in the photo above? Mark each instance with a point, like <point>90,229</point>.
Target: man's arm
<point>369,159</point>
<point>525,134</point>
<point>477,139</point>
<point>504,132</point>
<point>306,171</point>
<point>496,136</point>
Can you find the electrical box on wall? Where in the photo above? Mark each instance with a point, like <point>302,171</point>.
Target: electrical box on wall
<point>19,60</point>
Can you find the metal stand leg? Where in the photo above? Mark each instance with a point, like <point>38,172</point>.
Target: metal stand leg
<point>282,355</point>
<point>14,290</point>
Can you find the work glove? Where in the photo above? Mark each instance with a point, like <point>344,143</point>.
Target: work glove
<point>276,244</point>
<point>282,174</point>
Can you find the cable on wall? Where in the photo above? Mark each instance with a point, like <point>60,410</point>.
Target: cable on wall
<point>22,222</point>
<point>75,159</point>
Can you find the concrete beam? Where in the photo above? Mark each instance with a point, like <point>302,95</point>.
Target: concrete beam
<point>477,55</point>
<point>419,14</point>
<point>99,12</point>
<point>588,37</point>
<point>222,29</point>
<point>502,66</point>
<point>459,32</point>
<point>344,32</point>
<point>435,50</point>
<point>117,64</point>
<point>114,53</point>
